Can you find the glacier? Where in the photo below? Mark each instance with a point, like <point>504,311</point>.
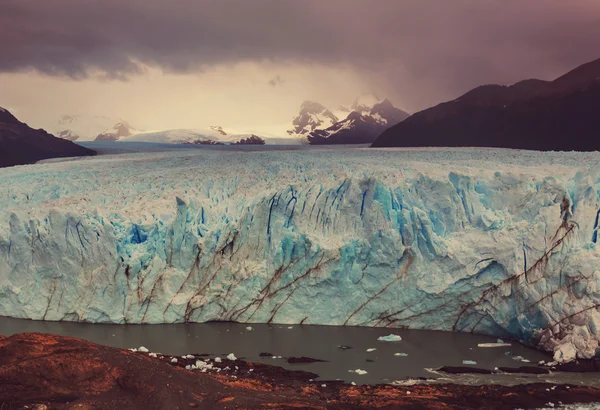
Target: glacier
<point>489,241</point>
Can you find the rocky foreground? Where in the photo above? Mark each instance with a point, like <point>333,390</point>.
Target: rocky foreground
<point>53,372</point>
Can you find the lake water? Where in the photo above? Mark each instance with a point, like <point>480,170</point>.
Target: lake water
<point>424,349</point>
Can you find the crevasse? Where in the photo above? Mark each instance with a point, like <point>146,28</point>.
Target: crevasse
<point>486,241</point>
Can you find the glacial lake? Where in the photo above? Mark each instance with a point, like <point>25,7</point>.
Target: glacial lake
<point>421,350</point>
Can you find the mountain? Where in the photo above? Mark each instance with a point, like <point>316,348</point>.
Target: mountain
<point>532,114</point>
<point>21,144</point>
<point>92,128</point>
<point>363,125</point>
<point>312,116</point>
<point>364,103</point>
<point>251,140</point>
<point>212,135</point>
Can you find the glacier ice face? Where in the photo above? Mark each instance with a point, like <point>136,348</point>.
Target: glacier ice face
<point>488,241</point>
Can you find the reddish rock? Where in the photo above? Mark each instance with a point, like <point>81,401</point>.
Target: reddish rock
<point>68,373</point>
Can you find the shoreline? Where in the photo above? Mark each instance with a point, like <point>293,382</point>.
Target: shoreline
<point>64,372</point>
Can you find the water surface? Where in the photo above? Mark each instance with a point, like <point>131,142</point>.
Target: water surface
<point>424,349</point>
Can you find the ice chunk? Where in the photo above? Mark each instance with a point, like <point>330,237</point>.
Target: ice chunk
<point>231,356</point>
<point>249,328</point>
<point>218,360</point>
<point>371,349</point>
<point>401,354</point>
<point>390,338</point>
<point>494,345</point>
<point>359,371</point>
<point>565,353</point>
<point>174,360</point>
<point>470,362</point>
<point>142,349</point>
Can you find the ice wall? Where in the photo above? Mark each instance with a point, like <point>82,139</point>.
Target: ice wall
<point>487,241</point>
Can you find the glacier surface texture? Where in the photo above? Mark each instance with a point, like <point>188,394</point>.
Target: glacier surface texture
<point>488,241</point>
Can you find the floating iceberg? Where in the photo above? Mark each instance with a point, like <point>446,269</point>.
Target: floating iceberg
<point>390,338</point>
<point>496,242</point>
<point>493,345</point>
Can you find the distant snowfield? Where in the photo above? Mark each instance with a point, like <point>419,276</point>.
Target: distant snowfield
<point>498,242</point>
<point>195,136</point>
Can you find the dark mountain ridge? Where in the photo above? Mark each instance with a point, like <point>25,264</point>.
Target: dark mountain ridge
<point>532,114</point>
<point>21,144</point>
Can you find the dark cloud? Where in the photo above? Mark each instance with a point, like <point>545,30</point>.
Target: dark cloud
<point>419,50</point>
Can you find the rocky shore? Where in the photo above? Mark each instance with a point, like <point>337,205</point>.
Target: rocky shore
<point>46,371</point>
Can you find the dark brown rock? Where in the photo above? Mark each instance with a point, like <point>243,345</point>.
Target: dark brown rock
<point>303,359</point>
<point>464,370</point>
<point>524,370</point>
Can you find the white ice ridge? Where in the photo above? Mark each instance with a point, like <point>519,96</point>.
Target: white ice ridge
<point>495,242</point>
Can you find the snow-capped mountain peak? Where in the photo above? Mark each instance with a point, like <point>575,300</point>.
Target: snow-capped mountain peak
<point>385,113</point>
<point>312,116</point>
<point>369,117</point>
<point>90,128</point>
<point>218,128</point>
<point>365,102</point>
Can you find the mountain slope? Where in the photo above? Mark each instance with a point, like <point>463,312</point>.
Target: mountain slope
<point>21,144</point>
<point>361,126</point>
<point>532,114</point>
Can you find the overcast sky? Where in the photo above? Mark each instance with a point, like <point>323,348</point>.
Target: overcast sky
<point>246,63</point>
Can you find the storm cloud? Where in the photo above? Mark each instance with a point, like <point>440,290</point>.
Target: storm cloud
<point>424,50</point>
